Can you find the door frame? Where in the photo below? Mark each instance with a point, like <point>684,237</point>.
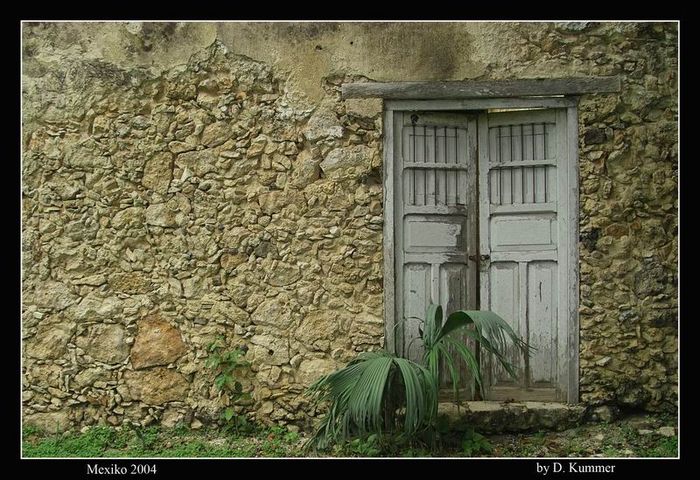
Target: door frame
<point>569,243</point>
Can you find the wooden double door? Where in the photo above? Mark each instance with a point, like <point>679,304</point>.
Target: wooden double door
<point>481,212</point>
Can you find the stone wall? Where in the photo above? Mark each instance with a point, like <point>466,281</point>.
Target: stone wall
<point>188,182</point>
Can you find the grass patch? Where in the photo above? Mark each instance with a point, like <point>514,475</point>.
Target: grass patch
<point>93,443</point>
<point>157,442</point>
<point>618,439</point>
<point>667,447</point>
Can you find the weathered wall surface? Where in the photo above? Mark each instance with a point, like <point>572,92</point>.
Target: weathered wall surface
<point>187,181</point>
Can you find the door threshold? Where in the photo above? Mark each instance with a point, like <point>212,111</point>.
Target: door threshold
<point>488,416</point>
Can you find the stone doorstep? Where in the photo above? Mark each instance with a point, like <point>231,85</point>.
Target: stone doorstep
<point>493,417</point>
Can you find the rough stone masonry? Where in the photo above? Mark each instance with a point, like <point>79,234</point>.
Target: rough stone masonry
<point>185,181</point>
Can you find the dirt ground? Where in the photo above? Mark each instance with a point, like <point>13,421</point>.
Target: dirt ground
<point>630,436</point>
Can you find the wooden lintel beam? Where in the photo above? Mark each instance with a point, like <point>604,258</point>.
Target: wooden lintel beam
<point>482,89</point>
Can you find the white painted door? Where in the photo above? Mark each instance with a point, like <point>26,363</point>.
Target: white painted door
<point>517,229</point>
<point>435,220</point>
<point>524,195</point>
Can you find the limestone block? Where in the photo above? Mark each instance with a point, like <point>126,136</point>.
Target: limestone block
<point>105,343</point>
<point>156,386</point>
<point>50,341</point>
<point>54,295</point>
<point>49,422</point>
<point>311,370</point>
<point>158,172</point>
<point>157,343</point>
<point>347,162</point>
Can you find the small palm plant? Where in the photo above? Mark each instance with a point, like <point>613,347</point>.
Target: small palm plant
<point>378,392</point>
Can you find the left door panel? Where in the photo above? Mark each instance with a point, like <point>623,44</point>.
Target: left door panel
<point>435,220</point>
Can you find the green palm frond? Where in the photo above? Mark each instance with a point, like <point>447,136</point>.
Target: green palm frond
<point>490,331</point>
<point>489,325</point>
<point>377,390</point>
<point>432,323</point>
<point>360,394</point>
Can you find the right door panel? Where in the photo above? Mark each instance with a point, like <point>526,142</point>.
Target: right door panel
<point>523,208</point>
